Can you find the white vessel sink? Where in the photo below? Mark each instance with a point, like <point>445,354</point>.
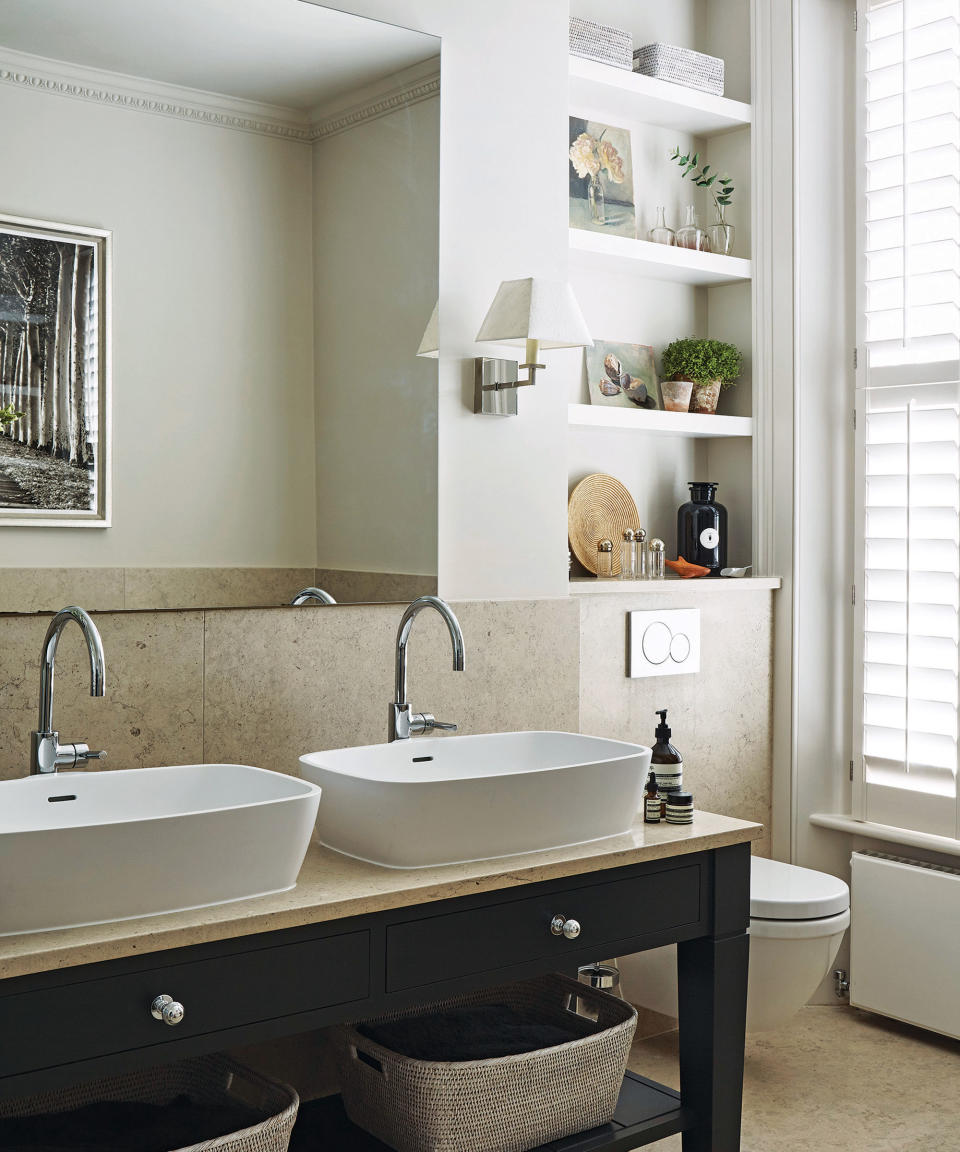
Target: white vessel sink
<point>451,799</point>
<point>89,847</point>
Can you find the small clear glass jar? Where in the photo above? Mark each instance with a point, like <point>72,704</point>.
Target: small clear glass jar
<point>605,560</point>
<point>657,560</point>
<point>628,555</point>
<point>660,233</point>
<point>641,567</point>
<point>691,235</point>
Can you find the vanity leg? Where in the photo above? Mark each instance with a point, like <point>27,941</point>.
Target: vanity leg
<point>712,977</point>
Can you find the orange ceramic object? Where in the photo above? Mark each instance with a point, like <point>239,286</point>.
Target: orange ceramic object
<point>687,570</point>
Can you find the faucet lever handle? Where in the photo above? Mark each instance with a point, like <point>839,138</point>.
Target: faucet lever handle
<point>101,755</point>
<point>443,727</point>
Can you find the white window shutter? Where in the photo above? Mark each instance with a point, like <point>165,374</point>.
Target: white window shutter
<point>908,428</point>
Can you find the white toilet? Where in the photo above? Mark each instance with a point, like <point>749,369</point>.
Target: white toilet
<point>797,920</point>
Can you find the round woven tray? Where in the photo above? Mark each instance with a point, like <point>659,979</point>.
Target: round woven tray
<point>600,508</point>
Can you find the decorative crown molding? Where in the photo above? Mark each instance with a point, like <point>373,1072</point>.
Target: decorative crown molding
<point>111,89</point>
<point>401,97</point>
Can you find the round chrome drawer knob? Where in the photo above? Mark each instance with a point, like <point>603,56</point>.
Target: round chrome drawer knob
<point>561,926</point>
<point>167,1009</point>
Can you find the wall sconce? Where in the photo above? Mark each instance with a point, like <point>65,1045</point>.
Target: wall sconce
<point>430,344</point>
<point>531,313</point>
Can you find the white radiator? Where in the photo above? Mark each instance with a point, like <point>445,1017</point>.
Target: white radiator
<point>905,940</point>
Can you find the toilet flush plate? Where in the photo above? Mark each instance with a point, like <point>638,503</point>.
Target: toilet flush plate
<point>663,643</point>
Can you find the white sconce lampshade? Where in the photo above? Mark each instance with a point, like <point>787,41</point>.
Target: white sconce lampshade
<point>535,314</point>
<point>535,309</point>
<point>430,344</point>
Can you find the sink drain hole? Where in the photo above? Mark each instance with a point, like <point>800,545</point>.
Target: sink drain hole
<point>59,799</point>
<point>421,759</point>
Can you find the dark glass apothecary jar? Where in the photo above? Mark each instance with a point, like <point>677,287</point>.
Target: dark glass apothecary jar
<point>702,528</point>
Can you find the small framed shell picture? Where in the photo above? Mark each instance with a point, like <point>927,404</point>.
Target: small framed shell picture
<point>621,375</point>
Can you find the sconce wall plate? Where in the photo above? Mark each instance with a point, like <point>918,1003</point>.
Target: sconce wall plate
<point>488,399</point>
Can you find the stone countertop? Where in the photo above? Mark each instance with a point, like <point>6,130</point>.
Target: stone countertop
<point>332,886</point>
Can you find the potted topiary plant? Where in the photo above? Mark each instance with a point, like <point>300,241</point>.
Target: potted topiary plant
<point>709,365</point>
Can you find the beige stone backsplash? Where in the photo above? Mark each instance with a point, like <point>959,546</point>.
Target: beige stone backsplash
<point>264,686</point>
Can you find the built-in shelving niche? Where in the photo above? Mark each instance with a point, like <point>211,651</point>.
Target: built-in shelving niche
<point>634,291</point>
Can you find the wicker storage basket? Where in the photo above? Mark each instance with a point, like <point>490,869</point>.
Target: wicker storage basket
<point>506,1104</point>
<point>680,66</point>
<point>600,42</point>
<point>206,1080</point>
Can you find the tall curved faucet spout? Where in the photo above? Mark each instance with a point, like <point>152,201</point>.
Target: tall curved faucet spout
<point>403,722</point>
<point>47,754</point>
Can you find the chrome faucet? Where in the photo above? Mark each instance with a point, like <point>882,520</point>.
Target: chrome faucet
<point>404,722</point>
<point>306,594</point>
<point>47,754</point>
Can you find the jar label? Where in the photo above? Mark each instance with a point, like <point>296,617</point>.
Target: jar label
<point>709,538</point>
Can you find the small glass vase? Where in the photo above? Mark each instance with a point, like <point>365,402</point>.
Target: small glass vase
<point>598,209</point>
<point>660,233</point>
<point>691,235</point>
<point>721,234</point>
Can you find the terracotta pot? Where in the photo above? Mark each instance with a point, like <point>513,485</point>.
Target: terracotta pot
<point>676,395</point>
<point>705,397</point>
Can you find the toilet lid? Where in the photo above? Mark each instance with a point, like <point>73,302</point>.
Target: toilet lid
<point>785,892</point>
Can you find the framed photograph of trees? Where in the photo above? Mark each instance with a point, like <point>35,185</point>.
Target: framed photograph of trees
<point>54,374</point>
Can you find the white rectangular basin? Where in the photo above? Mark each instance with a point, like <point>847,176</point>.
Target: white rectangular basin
<point>90,847</point>
<point>452,799</point>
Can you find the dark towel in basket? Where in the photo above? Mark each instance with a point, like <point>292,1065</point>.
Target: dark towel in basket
<point>483,1032</point>
<point>121,1126</point>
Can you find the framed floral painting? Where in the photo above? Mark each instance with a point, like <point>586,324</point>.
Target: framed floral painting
<point>601,178</point>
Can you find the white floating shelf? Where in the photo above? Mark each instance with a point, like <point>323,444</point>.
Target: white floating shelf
<point>671,585</point>
<point>608,92</point>
<point>658,261</point>
<point>659,423</point>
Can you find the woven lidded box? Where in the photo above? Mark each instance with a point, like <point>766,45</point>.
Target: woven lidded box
<point>680,66</point>
<point>507,1103</point>
<point>600,42</point>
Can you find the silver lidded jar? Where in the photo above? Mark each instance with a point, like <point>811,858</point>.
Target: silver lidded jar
<point>702,528</point>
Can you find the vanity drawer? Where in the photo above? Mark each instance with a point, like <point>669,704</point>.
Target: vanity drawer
<point>98,1017</point>
<point>511,932</point>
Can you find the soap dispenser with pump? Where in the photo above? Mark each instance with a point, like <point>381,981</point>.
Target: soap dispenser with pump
<point>666,761</point>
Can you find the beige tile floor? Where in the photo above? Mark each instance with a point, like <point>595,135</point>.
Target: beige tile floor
<point>836,1080</point>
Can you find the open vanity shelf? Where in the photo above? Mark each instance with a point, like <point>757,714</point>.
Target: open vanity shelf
<point>600,86</point>
<point>662,423</point>
<point>658,261</point>
<point>647,1111</point>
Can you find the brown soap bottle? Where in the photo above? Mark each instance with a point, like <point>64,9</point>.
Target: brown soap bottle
<point>667,762</point>
<point>652,813</point>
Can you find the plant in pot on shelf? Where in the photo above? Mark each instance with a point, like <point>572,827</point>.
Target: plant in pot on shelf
<point>721,190</point>
<point>701,368</point>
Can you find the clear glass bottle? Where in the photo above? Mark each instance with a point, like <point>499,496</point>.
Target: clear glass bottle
<point>628,556</point>
<point>691,235</point>
<point>605,560</point>
<point>657,560</point>
<point>721,233</point>
<point>597,201</point>
<point>660,233</point>
<point>641,567</point>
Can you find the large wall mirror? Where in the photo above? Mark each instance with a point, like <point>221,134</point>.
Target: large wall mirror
<point>267,175</point>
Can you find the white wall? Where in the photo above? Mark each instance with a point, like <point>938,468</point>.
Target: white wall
<point>212,329</point>
<point>503,214</point>
<point>375,240</point>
